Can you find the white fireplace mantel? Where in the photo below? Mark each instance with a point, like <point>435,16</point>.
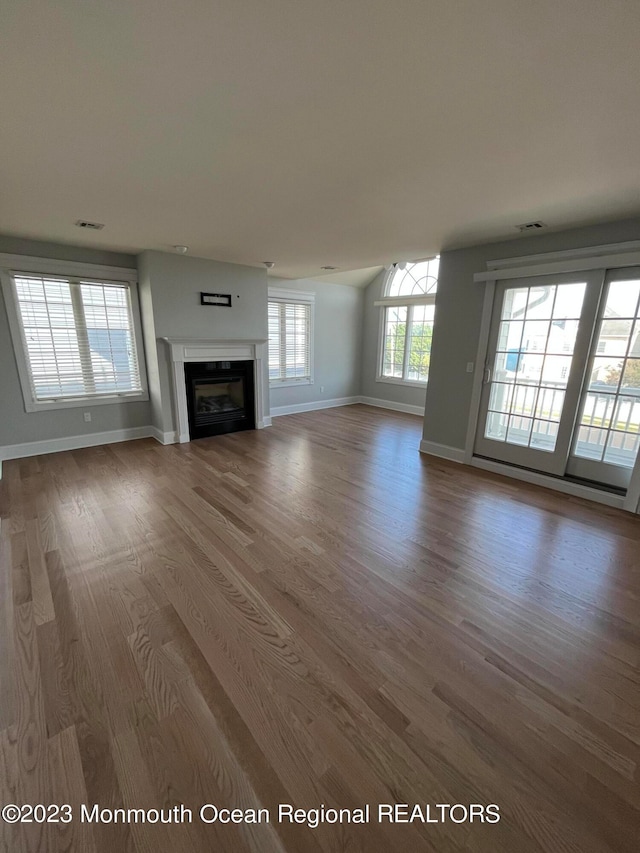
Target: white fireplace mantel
<point>195,349</point>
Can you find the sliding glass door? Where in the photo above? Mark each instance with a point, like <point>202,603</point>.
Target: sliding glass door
<point>561,391</point>
<point>538,346</point>
<point>606,440</point>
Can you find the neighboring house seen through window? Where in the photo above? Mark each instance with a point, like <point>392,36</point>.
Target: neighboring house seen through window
<point>290,316</point>
<point>408,305</point>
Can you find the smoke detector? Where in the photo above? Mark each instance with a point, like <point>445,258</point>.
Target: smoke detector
<point>531,226</point>
<point>91,226</point>
<point>181,250</point>
<point>269,264</point>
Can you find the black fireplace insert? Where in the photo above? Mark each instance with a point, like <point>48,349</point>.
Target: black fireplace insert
<point>220,397</point>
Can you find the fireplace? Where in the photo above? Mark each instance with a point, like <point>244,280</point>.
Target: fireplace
<point>220,397</point>
<point>184,352</point>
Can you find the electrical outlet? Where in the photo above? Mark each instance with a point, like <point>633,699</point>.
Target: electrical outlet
<point>469,367</point>
<point>322,389</point>
<point>87,417</point>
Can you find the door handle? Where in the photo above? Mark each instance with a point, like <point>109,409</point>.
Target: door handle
<point>487,375</point>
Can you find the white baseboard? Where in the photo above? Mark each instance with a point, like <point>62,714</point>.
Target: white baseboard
<point>389,404</point>
<point>312,407</point>
<point>72,442</point>
<point>265,422</point>
<point>163,437</point>
<point>444,451</point>
<point>567,487</point>
<point>278,411</point>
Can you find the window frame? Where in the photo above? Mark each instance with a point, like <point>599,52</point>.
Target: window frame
<point>294,297</point>
<point>407,302</point>
<point>11,265</point>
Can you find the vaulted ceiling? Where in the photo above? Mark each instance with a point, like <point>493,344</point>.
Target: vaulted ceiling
<point>311,132</point>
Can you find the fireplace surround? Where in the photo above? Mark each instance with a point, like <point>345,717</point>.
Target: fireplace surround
<point>185,352</point>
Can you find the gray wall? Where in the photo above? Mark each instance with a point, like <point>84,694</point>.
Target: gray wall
<point>346,333</point>
<point>458,314</point>
<point>18,426</point>
<point>337,343</point>
<point>151,349</point>
<point>170,287</point>
<point>371,340</point>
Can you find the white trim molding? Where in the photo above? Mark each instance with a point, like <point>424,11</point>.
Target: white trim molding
<point>163,437</point>
<point>408,383</point>
<point>72,271</point>
<point>314,406</point>
<point>53,266</point>
<point>390,404</point>
<point>481,367</point>
<point>442,451</point>
<point>281,294</point>
<point>611,256</point>
<point>408,301</point>
<point>557,484</point>
<point>184,350</point>
<point>632,499</point>
<point>578,490</point>
<point>593,260</point>
<point>391,301</point>
<point>567,254</point>
<point>73,442</point>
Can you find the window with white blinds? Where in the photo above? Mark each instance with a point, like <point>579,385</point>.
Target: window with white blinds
<point>78,337</point>
<point>290,340</point>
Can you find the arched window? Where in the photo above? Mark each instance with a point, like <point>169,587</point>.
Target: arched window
<point>420,279</point>
<point>408,307</point>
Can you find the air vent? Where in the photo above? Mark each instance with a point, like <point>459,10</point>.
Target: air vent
<point>531,226</point>
<point>328,268</point>
<point>92,226</point>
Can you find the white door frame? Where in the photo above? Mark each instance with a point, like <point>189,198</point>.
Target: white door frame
<point>606,257</point>
<point>481,368</point>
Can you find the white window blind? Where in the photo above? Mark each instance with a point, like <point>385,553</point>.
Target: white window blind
<point>289,341</point>
<point>78,337</point>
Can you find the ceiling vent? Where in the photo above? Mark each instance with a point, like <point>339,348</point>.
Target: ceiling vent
<point>91,226</point>
<point>327,267</point>
<point>531,226</point>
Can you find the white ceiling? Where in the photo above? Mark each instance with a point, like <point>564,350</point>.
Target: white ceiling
<point>355,278</point>
<point>312,132</point>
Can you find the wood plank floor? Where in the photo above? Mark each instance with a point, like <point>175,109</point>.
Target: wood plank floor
<point>315,614</point>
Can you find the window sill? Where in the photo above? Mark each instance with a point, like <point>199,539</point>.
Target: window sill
<point>84,402</point>
<point>410,383</point>
<point>289,383</point>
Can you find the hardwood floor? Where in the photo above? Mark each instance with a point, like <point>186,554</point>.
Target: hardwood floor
<point>315,614</point>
